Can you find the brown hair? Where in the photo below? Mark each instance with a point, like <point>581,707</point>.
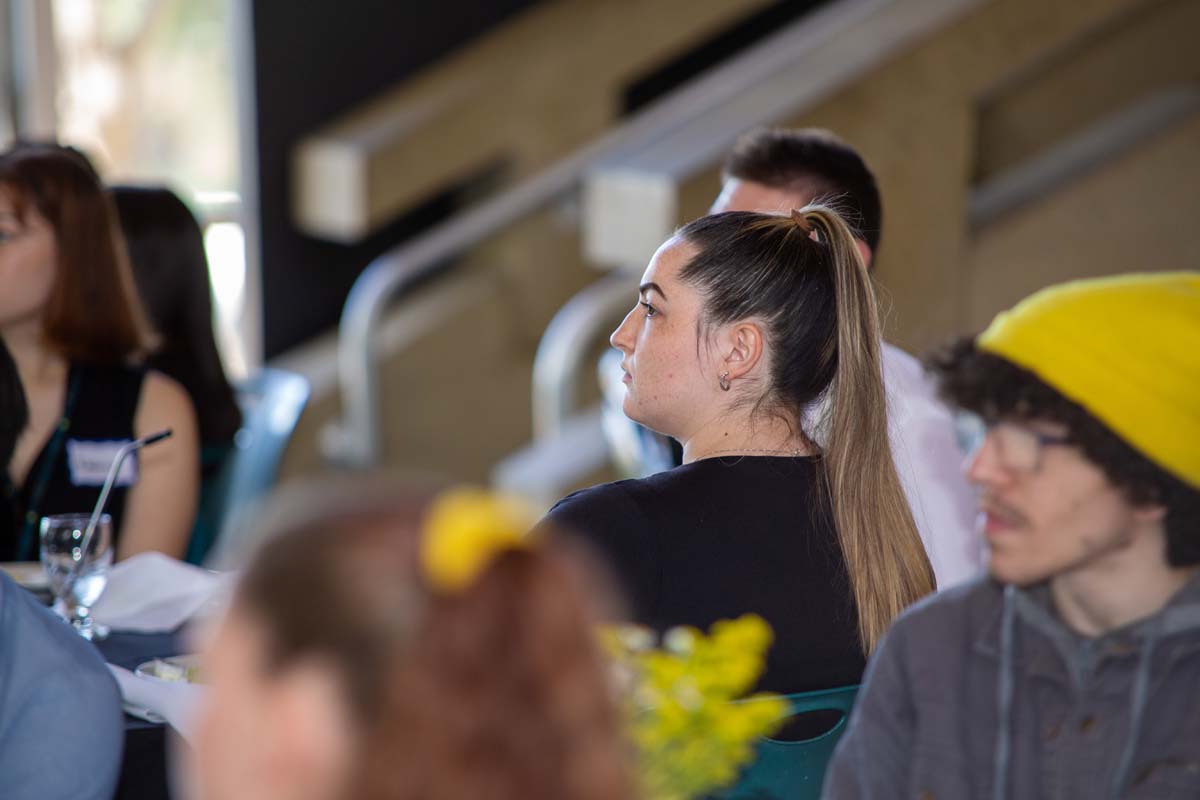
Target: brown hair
<point>93,313</point>
<point>816,162</point>
<point>498,690</point>
<point>804,277</point>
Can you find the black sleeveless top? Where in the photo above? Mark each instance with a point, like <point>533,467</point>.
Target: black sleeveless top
<point>68,473</point>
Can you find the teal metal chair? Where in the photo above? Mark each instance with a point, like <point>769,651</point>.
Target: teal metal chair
<point>271,401</point>
<point>785,770</point>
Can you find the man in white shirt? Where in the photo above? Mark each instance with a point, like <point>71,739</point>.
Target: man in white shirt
<point>774,170</point>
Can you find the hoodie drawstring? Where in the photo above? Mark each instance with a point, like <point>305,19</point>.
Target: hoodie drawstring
<point>1004,697</point>
<point>1138,699</point>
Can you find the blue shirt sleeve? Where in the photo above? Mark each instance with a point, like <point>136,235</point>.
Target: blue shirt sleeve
<point>61,726</point>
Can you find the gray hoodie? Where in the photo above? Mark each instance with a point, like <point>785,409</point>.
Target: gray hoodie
<point>981,692</point>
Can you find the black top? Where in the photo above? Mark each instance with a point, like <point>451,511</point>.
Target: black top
<point>69,471</point>
<point>721,537</point>
<point>14,413</point>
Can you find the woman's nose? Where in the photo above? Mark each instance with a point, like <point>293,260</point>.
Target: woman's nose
<point>622,338</point>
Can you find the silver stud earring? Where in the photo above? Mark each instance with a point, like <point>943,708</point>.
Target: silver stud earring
<point>724,381</point>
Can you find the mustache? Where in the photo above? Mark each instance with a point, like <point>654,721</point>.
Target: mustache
<point>989,504</point>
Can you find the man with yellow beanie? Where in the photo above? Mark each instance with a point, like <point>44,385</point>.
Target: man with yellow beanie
<point>1073,669</point>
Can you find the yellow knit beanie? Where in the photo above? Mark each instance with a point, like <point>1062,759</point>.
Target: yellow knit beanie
<point>1125,348</point>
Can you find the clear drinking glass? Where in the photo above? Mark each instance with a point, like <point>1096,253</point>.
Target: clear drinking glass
<point>76,578</point>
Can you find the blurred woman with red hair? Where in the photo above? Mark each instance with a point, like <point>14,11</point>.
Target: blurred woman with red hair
<point>387,646</point>
<point>70,316</point>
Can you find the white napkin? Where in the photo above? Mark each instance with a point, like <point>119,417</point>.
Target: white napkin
<point>173,702</point>
<point>151,592</point>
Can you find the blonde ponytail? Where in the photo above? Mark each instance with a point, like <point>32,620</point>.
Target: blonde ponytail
<point>884,555</point>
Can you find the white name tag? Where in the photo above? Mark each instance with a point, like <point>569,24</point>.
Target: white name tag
<point>89,462</point>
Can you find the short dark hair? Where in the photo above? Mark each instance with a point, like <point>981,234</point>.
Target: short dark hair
<point>995,388</point>
<point>815,160</point>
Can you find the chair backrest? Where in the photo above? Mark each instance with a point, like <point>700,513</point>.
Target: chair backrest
<point>785,770</point>
<point>271,402</point>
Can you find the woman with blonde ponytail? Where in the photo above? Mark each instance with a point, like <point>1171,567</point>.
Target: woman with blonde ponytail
<point>746,324</point>
<point>887,572</point>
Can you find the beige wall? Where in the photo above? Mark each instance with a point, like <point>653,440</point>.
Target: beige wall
<point>456,385</point>
<point>1136,213</point>
<point>995,88</point>
<point>530,92</point>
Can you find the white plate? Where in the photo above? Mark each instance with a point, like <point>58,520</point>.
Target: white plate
<point>26,573</point>
<point>175,669</point>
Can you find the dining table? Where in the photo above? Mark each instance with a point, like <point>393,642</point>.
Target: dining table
<point>144,760</point>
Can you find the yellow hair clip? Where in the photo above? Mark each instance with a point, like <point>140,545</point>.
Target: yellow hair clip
<point>465,529</point>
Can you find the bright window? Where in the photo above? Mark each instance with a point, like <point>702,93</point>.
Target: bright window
<point>146,88</point>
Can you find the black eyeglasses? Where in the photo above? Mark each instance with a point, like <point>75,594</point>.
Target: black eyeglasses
<point>1018,446</point>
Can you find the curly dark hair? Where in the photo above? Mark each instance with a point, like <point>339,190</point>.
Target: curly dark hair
<point>995,388</point>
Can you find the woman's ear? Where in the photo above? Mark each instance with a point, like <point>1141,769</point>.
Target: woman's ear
<point>743,347</point>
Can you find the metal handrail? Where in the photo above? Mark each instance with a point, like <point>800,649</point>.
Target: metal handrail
<point>354,440</point>
<point>568,338</point>
<point>1099,144</point>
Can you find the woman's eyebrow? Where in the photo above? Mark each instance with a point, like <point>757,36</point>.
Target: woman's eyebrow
<point>651,286</point>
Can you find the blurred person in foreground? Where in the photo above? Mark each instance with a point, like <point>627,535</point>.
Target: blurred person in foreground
<point>1072,670</point>
<point>61,727</point>
<point>70,316</point>
<point>166,250</point>
<point>773,170</point>
<point>390,646</point>
<point>743,320</point>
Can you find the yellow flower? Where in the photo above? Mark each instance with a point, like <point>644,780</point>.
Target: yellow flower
<point>691,731</point>
<point>464,530</point>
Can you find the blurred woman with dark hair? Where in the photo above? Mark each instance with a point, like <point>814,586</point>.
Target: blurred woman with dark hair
<point>70,316</point>
<point>166,251</point>
<point>387,646</point>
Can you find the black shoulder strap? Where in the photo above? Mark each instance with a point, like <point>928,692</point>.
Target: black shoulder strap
<point>50,453</point>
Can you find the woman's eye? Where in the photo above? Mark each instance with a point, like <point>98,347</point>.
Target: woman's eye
<point>650,310</point>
